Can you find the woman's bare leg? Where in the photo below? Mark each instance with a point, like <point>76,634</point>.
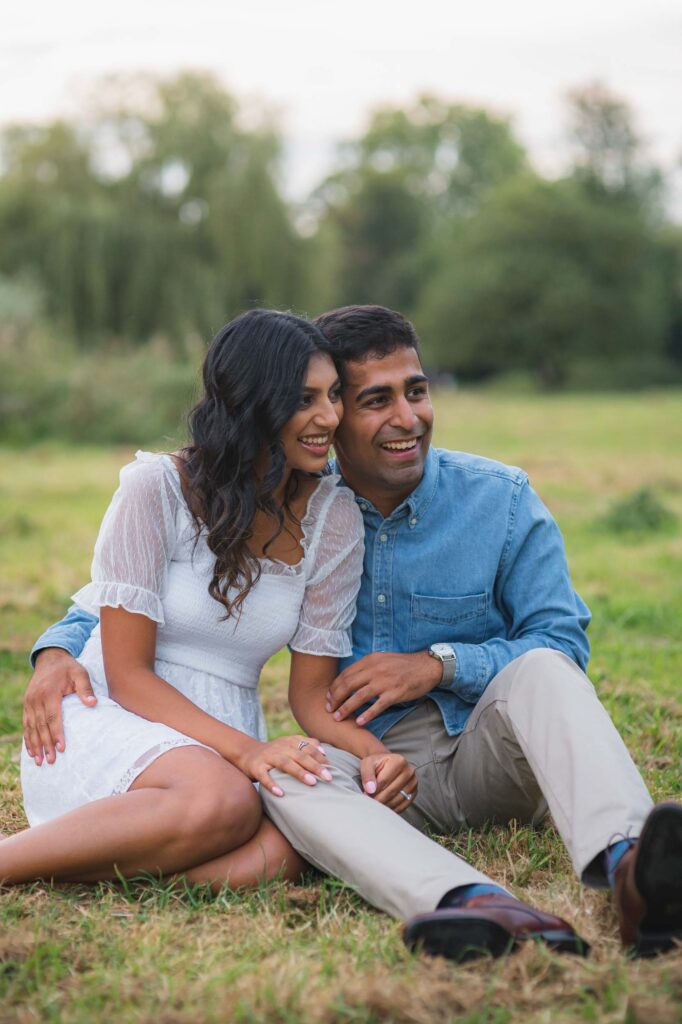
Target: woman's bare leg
<point>189,806</point>
<point>265,857</point>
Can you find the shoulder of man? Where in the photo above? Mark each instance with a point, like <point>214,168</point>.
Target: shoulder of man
<point>454,463</point>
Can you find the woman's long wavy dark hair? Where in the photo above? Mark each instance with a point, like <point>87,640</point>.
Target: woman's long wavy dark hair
<point>253,374</point>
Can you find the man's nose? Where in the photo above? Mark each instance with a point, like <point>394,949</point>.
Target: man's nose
<point>403,415</point>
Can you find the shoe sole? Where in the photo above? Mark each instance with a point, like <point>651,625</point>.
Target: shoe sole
<point>658,877</point>
<point>477,937</point>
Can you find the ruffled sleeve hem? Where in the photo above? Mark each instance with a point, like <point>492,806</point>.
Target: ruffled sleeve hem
<point>325,643</point>
<point>137,600</point>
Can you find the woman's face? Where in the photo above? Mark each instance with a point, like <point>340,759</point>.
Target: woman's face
<point>307,437</point>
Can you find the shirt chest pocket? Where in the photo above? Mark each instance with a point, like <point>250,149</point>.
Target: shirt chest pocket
<point>447,620</point>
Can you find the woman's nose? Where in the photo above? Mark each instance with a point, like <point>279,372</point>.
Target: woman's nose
<point>329,417</point>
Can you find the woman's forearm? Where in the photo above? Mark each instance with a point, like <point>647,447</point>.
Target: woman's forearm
<point>151,697</point>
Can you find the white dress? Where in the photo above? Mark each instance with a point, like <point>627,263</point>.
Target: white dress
<point>146,561</point>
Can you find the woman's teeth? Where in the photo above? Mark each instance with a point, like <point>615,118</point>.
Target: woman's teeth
<point>315,442</point>
<point>400,446</point>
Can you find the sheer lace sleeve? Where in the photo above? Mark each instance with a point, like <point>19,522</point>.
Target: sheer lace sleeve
<point>333,576</point>
<point>135,542</point>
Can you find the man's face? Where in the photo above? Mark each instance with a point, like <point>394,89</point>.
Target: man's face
<point>382,442</point>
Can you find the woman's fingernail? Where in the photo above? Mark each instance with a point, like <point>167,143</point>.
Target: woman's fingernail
<point>310,779</point>
<point>326,774</point>
<point>277,791</point>
<point>322,751</point>
<point>360,720</point>
<point>328,706</point>
<point>371,788</point>
<point>337,716</point>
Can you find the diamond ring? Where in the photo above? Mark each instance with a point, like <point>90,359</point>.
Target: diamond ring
<point>405,796</point>
<point>302,744</point>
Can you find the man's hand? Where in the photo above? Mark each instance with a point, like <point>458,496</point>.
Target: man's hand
<point>56,675</point>
<point>391,678</point>
<point>387,777</point>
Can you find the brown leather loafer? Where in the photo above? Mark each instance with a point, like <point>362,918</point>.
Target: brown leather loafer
<point>648,885</point>
<point>489,925</point>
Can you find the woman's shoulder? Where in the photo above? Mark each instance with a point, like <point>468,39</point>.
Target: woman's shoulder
<point>152,473</point>
<point>332,509</point>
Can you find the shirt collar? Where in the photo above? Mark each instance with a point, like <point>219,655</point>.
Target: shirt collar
<point>416,503</point>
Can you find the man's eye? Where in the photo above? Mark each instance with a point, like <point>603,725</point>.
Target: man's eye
<point>418,392</point>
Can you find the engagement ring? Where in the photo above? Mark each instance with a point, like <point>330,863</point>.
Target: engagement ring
<point>302,744</point>
<point>405,796</point>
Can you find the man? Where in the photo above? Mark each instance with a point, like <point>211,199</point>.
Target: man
<point>469,651</point>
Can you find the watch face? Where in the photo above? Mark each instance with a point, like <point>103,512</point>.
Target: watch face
<point>442,650</point>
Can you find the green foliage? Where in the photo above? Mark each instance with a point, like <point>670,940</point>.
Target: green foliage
<point>411,170</point>
<point>192,231</point>
<point>121,395</point>
<point>641,512</point>
<point>159,213</point>
<point>541,274</point>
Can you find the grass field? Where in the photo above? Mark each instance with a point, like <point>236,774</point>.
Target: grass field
<point>318,953</point>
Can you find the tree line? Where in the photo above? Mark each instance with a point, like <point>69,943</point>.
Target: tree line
<point>161,214</point>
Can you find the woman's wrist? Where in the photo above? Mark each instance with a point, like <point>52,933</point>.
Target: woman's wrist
<point>239,749</point>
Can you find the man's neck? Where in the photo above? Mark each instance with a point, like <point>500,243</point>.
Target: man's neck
<point>385,501</point>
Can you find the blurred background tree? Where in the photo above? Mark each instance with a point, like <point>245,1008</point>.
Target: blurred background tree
<point>128,237</point>
<point>186,228</point>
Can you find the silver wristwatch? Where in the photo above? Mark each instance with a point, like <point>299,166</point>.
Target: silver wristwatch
<point>448,660</point>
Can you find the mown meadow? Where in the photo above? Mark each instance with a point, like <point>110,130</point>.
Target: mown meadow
<point>610,468</point>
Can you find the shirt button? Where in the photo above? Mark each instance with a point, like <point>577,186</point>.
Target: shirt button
<point>383,538</point>
<point>413,521</point>
<point>363,506</point>
<point>381,598</point>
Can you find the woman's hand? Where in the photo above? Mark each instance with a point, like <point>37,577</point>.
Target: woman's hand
<point>302,757</point>
<point>388,776</point>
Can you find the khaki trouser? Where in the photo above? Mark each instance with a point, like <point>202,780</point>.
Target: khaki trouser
<point>538,741</point>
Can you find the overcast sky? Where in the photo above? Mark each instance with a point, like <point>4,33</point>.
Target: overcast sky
<point>323,64</point>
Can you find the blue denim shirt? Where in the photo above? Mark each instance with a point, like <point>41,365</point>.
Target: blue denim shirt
<point>472,558</point>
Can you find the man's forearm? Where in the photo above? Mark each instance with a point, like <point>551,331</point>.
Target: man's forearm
<point>70,634</point>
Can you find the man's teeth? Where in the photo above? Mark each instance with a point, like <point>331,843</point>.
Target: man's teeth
<point>400,446</point>
<point>317,441</point>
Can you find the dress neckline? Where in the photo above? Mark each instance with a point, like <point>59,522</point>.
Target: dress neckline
<point>272,566</point>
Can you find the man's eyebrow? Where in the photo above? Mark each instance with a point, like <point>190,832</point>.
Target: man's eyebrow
<point>376,389</point>
<point>383,389</point>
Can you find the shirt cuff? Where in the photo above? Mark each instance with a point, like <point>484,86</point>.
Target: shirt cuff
<point>473,671</point>
<point>72,647</point>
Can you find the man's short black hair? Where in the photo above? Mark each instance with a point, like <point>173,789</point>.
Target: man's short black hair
<point>356,333</point>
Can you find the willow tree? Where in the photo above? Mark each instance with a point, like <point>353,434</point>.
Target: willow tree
<point>158,212</point>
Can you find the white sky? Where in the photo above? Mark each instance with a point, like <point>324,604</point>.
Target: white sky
<point>323,65</point>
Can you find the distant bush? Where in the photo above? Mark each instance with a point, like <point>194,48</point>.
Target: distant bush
<point>641,512</point>
<point>49,389</point>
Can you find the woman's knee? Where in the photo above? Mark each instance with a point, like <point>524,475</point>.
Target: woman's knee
<point>221,801</point>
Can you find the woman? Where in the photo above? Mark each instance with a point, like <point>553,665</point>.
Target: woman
<point>207,562</point>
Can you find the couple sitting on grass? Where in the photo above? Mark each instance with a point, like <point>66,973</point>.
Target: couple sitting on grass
<point>441,683</point>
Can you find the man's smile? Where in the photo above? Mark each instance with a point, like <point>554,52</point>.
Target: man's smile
<point>401,447</point>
